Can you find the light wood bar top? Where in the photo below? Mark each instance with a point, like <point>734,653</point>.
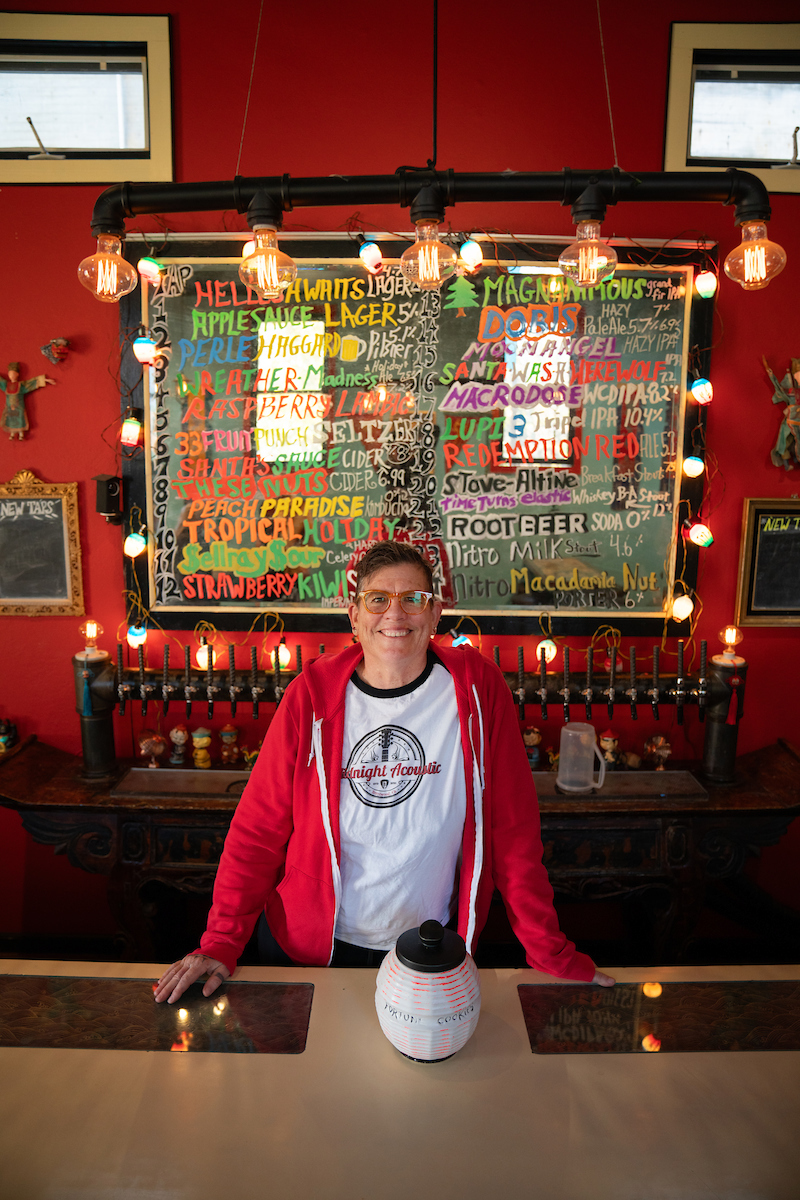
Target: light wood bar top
<point>350,1118</point>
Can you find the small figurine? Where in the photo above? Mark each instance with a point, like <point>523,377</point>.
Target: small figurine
<point>14,419</point>
<point>658,748</point>
<point>153,744</point>
<point>616,759</point>
<point>532,738</point>
<point>179,736</point>
<point>787,392</point>
<point>250,757</point>
<point>56,350</point>
<point>201,740</point>
<point>230,751</point>
<point>8,736</point>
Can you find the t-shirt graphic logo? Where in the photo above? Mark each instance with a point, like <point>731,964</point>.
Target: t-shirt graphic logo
<point>386,766</point>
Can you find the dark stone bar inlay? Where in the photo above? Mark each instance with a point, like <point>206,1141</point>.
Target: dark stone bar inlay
<point>741,1015</point>
<point>79,1013</point>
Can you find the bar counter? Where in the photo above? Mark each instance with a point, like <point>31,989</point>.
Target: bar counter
<point>350,1118</point>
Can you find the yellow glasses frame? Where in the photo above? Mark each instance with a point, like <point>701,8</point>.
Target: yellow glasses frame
<point>401,596</point>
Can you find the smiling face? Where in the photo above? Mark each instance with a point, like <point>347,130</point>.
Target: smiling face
<point>395,644</point>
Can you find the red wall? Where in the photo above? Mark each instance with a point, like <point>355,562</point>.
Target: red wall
<point>347,89</point>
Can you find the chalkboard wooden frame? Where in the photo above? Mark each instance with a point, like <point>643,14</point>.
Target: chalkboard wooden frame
<point>37,601</point>
<point>750,608</point>
<point>182,251</point>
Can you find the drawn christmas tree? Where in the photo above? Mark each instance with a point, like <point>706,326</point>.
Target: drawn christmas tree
<point>462,295</point>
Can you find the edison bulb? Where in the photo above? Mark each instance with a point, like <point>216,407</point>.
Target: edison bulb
<point>730,636</point>
<point>757,260</point>
<point>107,274</point>
<point>550,650</point>
<point>90,631</point>
<point>588,261</point>
<point>706,284</point>
<point>134,544</point>
<point>471,255</point>
<point>682,607</point>
<point>429,262</point>
<point>268,271</point>
<point>693,466</point>
<point>370,255</point>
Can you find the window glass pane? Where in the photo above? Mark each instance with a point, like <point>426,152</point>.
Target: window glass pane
<point>86,105</point>
<point>738,119</point>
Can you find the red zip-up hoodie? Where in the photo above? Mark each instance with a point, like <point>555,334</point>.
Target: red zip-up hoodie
<point>282,851</point>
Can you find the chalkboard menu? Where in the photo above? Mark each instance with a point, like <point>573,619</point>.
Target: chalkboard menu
<point>525,434</point>
<point>40,562</point>
<point>769,568</point>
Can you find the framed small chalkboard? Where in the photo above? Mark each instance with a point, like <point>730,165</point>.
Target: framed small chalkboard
<point>769,564</point>
<point>40,550</point>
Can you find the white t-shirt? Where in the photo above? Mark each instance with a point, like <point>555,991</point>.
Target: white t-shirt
<point>402,807</point>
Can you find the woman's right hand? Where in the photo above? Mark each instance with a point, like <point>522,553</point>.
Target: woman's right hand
<point>186,971</point>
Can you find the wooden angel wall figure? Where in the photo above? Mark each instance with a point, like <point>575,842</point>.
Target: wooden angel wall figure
<point>787,392</point>
<point>14,418</point>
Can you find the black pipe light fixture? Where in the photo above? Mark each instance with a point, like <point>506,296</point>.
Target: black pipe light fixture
<point>430,262</point>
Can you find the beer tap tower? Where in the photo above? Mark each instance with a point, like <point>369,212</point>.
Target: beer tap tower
<point>717,691</point>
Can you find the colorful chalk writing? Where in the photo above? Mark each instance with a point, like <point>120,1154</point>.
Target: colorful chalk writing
<point>527,440</point>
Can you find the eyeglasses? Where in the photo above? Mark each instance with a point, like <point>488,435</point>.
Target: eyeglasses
<point>376,601</point>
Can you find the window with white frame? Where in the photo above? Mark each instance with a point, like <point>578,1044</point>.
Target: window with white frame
<point>734,100</point>
<point>93,107</point>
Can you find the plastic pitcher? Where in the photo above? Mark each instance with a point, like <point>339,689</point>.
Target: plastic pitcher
<point>577,752</point>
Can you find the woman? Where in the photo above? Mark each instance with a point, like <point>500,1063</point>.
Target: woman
<point>392,787</point>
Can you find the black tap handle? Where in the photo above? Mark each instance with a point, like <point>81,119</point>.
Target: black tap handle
<point>276,661</point>
<point>187,679</point>
<point>589,681</point>
<point>521,682</point>
<point>543,683</point>
<point>679,693</point>
<point>702,681</point>
<point>321,648</point>
<point>633,692</point>
<point>209,678</point>
<point>612,680</point>
<point>121,692</point>
<point>566,683</point>
<point>254,691</point>
<point>496,655</point>
<point>298,657</point>
<point>142,687</point>
<point>655,688</point>
<point>165,679</point>
<point>232,689</point>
